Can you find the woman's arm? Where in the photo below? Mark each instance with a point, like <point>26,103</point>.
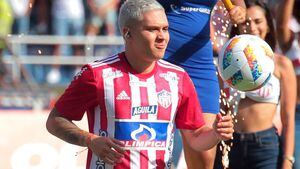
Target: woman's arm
<point>287,109</point>
<point>284,34</point>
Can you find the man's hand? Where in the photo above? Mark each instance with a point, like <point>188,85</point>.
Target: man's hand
<point>110,150</point>
<point>237,14</point>
<point>223,127</point>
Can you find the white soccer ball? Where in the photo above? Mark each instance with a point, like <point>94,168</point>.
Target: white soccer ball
<point>246,62</point>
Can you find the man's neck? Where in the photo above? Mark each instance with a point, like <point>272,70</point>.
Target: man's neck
<point>139,65</point>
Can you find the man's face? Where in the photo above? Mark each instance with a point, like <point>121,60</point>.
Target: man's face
<point>150,36</point>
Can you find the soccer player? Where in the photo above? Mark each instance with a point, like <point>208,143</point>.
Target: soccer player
<point>134,99</point>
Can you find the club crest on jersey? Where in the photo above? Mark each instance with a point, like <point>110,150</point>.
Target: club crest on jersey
<point>151,109</point>
<point>164,98</point>
<point>142,134</point>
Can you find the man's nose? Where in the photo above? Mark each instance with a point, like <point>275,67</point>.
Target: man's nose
<point>161,34</point>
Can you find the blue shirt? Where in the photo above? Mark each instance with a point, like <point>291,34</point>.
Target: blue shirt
<point>190,46</point>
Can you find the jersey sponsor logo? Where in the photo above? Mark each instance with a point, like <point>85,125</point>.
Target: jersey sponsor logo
<point>151,109</point>
<point>103,133</point>
<point>100,164</point>
<point>164,98</point>
<point>142,134</point>
<point>174,8</point>
<point>123,96</point>
<point>135,135</point>
<point>192,9</point>
<point>170,150</point>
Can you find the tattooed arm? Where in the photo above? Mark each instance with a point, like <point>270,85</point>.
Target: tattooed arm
<point>66,129</point>
<point>108,149</point>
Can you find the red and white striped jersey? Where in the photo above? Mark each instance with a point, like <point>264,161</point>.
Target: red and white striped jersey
<point>138,109</point>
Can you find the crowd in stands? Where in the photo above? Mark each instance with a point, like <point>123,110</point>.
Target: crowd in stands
<point>61,18</point>
<point>48,17</point>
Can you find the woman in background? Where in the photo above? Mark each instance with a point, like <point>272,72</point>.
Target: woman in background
<point>256,143</point>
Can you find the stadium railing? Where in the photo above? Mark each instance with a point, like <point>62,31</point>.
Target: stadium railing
<point>14,43</point>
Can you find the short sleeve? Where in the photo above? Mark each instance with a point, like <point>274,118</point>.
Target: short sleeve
<point>189,114</point>
<point>80,95</point>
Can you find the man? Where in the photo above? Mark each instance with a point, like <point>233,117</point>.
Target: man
<point>133,99</point>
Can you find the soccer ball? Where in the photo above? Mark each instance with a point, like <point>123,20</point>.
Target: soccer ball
<point>246,62</point>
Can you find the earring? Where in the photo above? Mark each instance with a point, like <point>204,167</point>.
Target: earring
<point>127,35</point>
